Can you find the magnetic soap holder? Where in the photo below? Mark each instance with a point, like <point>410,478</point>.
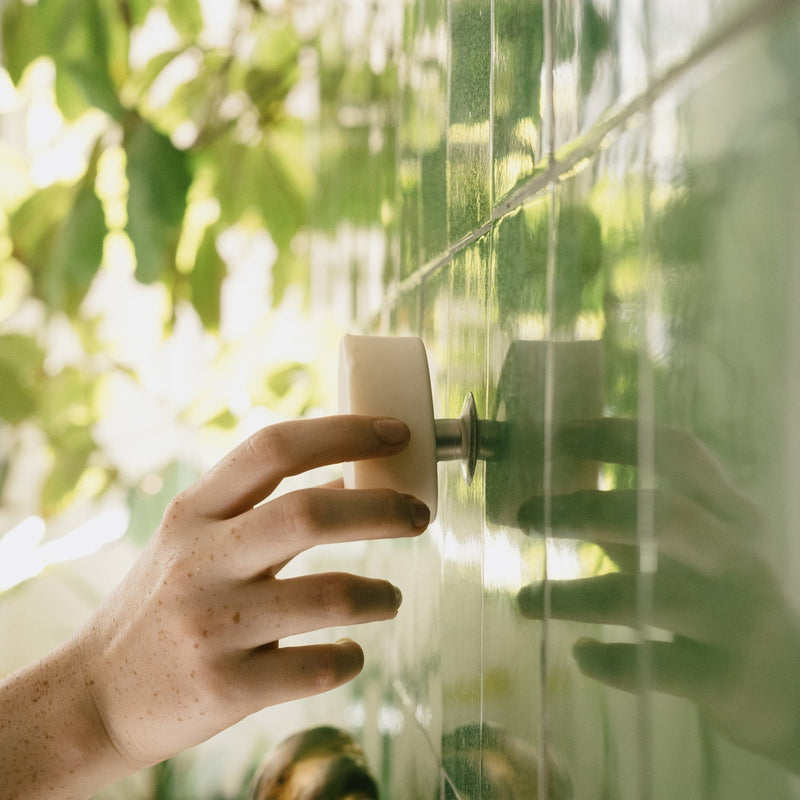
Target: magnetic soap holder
<point>389,376</point>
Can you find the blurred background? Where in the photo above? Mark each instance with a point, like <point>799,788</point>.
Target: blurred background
<point>584,207</point>
<point>157,173</point>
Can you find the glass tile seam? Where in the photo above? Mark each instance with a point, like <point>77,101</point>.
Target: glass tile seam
<point>572,155</point>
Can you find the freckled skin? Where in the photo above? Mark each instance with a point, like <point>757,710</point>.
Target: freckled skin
<point>188,643</point>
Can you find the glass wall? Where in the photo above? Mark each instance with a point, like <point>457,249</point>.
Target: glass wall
<point>588,209</point>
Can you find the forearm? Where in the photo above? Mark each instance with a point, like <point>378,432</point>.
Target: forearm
<point>52,741</point>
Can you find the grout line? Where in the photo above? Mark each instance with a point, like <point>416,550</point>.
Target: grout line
<point>548,68</point>
<point>578,152</point>
<point>408,704</point>
<point>592,141</point>
<point>547,466</point>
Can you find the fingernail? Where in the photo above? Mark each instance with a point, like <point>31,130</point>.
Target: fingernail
<point>583,647</point>
<point>531,513</point>
<point>391,431</point>
<point>351,656</point>
<point>398,596</point>
<point>418,513</point>
<point>530,600</point>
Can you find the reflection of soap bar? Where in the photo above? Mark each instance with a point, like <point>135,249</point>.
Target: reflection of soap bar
<point>388,377</point>
<point>577,387</point>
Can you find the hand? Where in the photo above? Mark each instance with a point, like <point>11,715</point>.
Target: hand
<point>189,643</point>
<point>735,643</point>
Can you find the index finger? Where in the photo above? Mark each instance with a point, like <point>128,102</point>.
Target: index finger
<point>253,470</point>
<point>678,456</point>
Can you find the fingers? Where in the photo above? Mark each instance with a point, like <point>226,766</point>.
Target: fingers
<point>680,604</point>
<point>268,610</point>
<point>679,457</point>
<point>253,470</point>
<point>270,676</point>
<point>683,530</point>
<point>682,668</point>
<point>277,531</point>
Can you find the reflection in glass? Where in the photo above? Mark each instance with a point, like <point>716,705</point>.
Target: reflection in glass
<point>727,638</point>
<point>322,763</point>
<point>489,763</point>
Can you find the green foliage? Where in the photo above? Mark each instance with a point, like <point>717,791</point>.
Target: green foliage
<point>219,134</point>
<point>20,366</point>
<point>158,180</point>
<point>58,234</point>
<point>84,39</point>
<point>206,279</point>
<point>59,231</point>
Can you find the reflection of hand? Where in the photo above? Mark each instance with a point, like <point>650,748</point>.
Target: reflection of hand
<point>735,645</point>
<point>188,643</point>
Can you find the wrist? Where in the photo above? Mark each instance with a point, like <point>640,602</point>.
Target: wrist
<point>52,739</point>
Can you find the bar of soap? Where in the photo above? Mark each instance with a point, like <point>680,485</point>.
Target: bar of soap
<point>389,377</point>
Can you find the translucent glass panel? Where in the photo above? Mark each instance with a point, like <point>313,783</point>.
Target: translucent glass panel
<point>608,610</point>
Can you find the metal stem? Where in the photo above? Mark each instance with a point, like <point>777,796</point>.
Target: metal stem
<point>468,439</point>
<point>449,439</point>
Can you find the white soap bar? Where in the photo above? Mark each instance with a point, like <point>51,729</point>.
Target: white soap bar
<point>389,377</point>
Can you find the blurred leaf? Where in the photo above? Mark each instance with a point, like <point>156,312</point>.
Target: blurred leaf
<point>62,481</point>
<point>16,401</point>
<point>283,379</point>
<point>67,407</point>
<point>270,180</point>
<point>225,420</point>
<point>86,39</point>
<point>81,86</point>
<point>276,42</point>
<point>58,233</point>
<point>206,280</point>
<point>78,250</point>
<point>25,37</point>
<point>267,88</point>
<point>186,16</point>
<point>143,79</point>
<point>21,354</point>
<point>272,69</point>
<point>32,225</point>
<point>288,270</point>
<point>66,412</point>
<point>135,11</point>
<point>20,364</point>
<point>198,98</point>
<point>158,179</point>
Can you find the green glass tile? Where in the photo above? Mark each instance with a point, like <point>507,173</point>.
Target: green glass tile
<point>678,30</point>
<point>723,364</point>
<point>518,112</point>
<point>600,64</point>
<point>433,203</point>
<point>405,314</point>
<point>468,137</point>
<point>432,69</point>
<point>458,353</point>
<point>597,336</point>
<point>410,765</point>
<point>409,210</point>
<point>409,174</point>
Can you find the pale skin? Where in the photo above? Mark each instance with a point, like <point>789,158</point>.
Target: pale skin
<point>190,642</point>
